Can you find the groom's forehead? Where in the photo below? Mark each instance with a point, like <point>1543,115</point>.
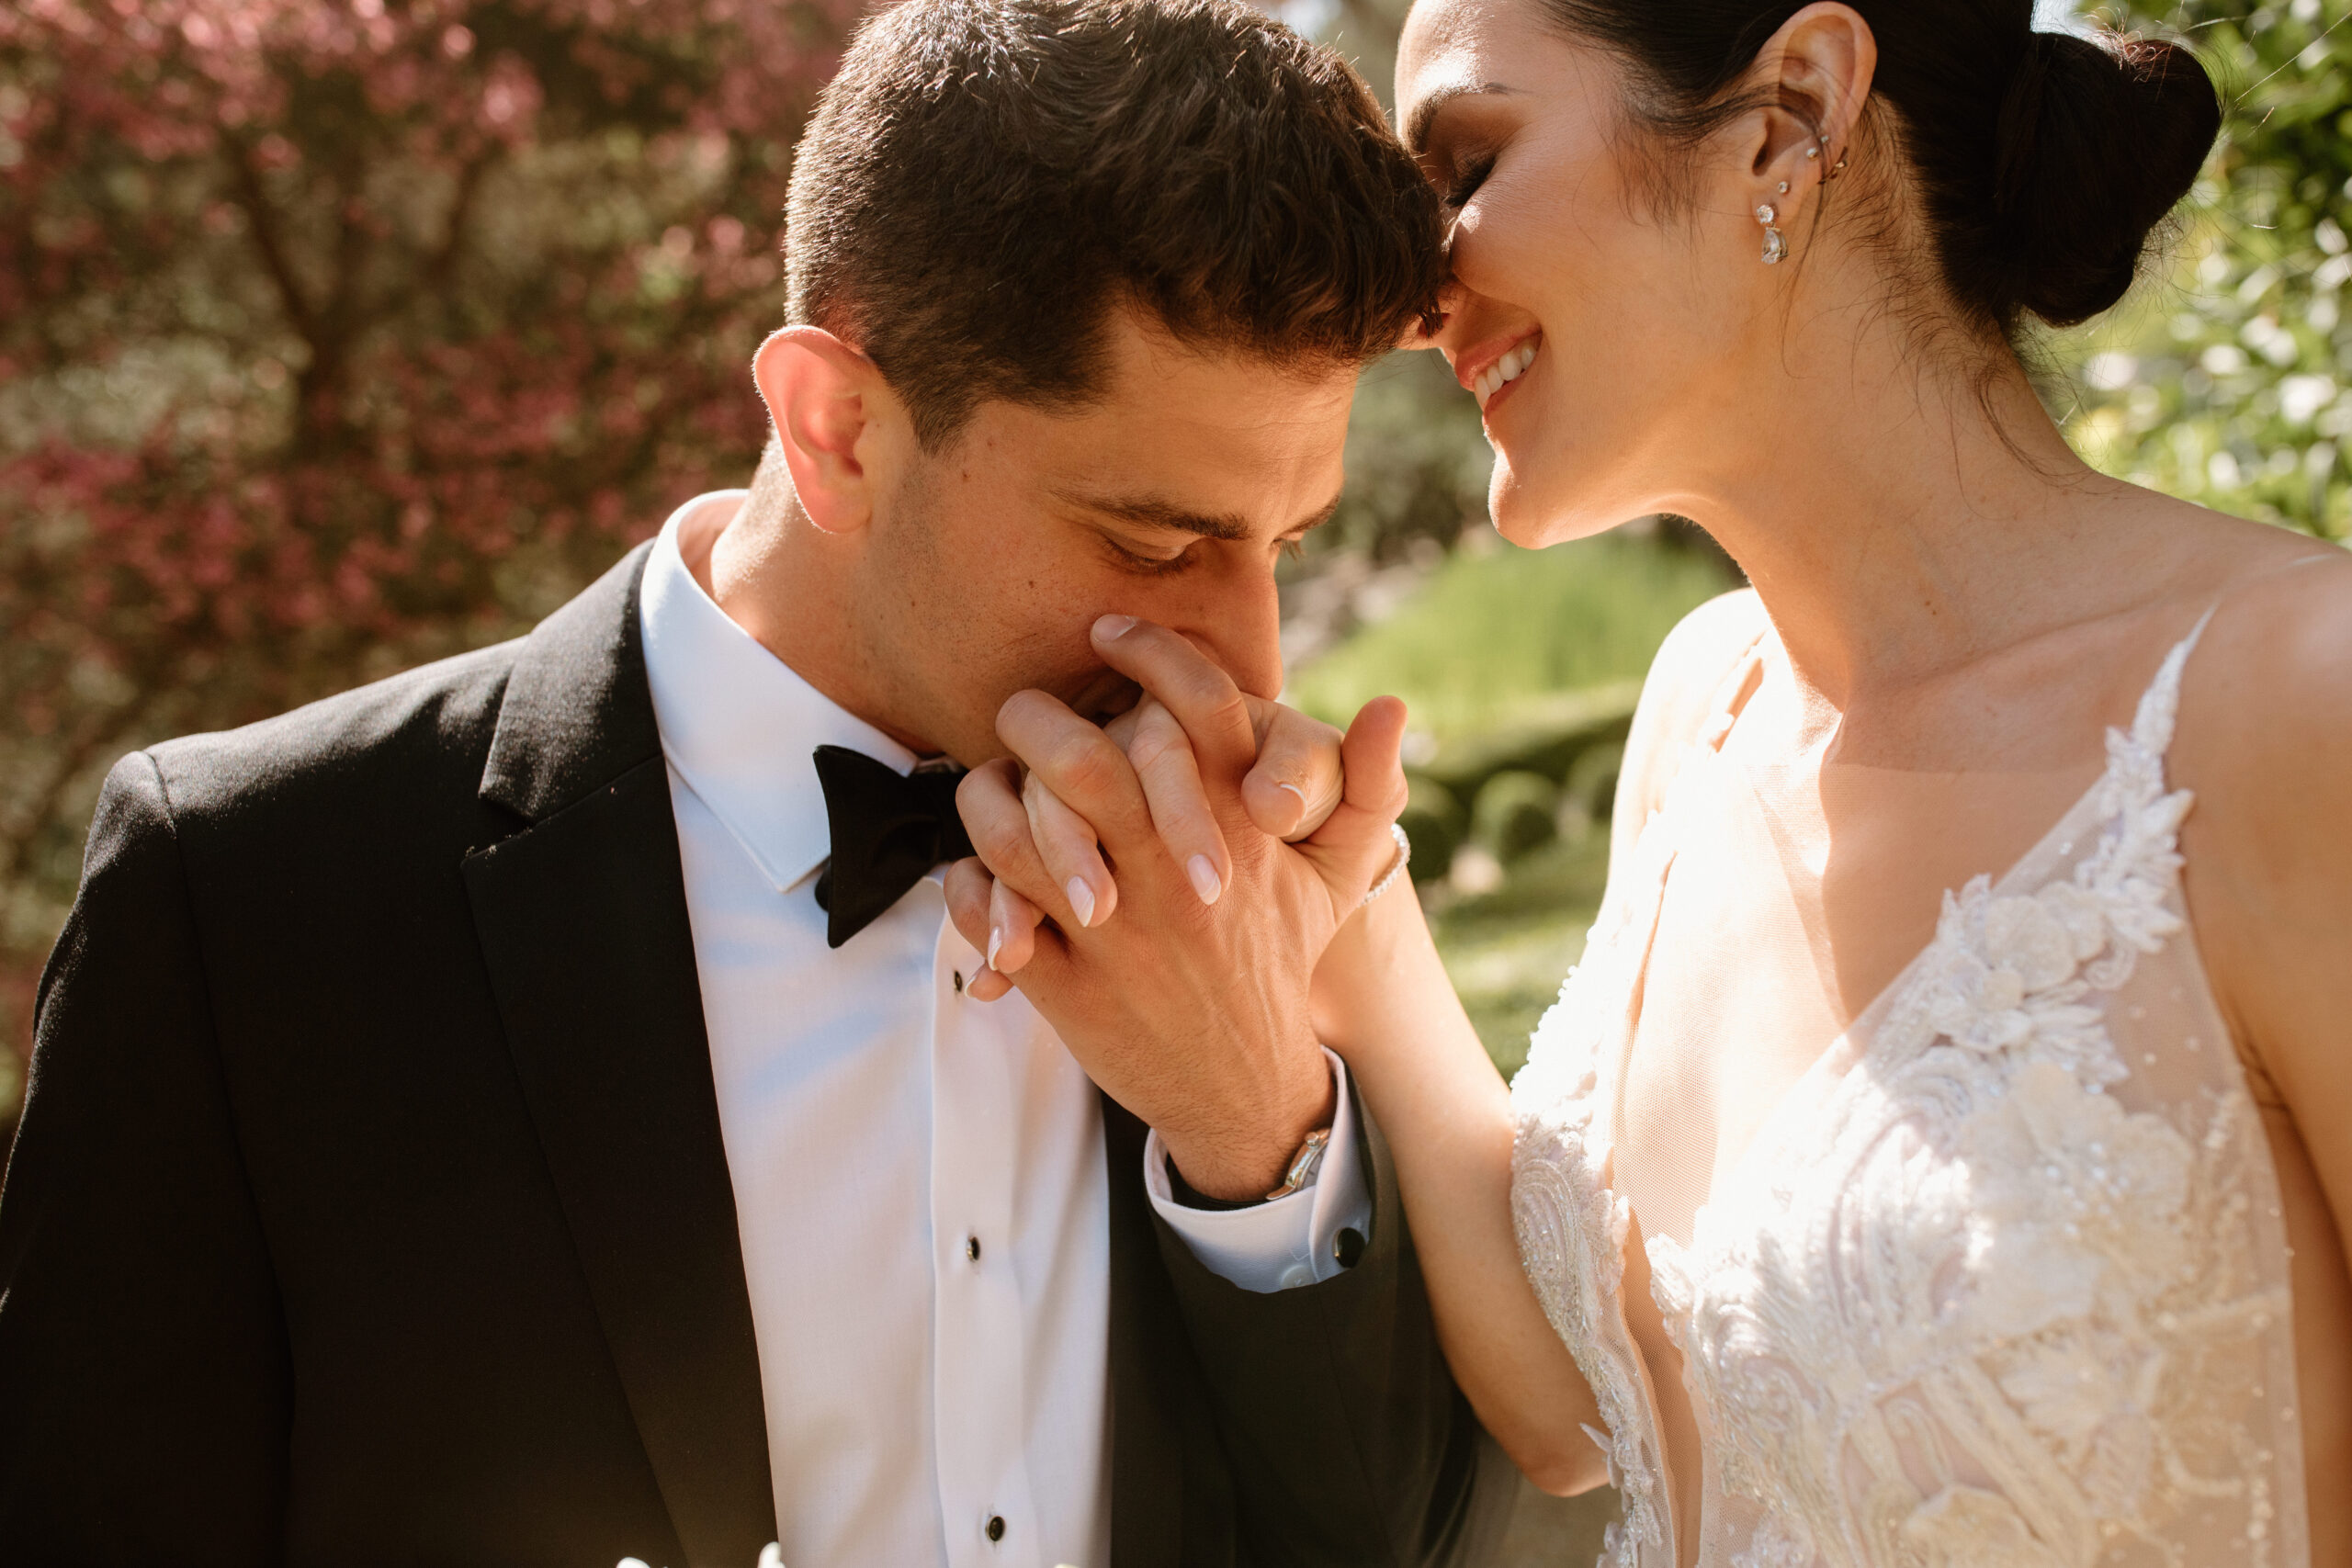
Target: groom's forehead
<point>1219,443</point>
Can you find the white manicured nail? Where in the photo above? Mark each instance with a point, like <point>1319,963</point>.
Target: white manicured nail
<point>996,940</point>
<point>1082,900</point>
<point>1111,628</point>
<point>1205,878</point>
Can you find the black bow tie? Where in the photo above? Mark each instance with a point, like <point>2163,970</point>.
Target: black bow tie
<point>888,829</point>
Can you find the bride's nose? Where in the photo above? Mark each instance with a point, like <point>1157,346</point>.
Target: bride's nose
<point>1425,331</point>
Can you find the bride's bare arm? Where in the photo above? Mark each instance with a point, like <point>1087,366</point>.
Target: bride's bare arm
<point>2266,741</point>
<point>1385,1004</point>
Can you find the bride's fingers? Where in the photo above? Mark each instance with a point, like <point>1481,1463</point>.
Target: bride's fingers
<point>968,886</point>
<point>1354,849</point>
<point>1190,685</point>
<point>1295,784</point>
<point>1012,930</point>
<point>1072,855</point>
<point>989,800</point>
<point>1163,759</point>
<point>987,914</point>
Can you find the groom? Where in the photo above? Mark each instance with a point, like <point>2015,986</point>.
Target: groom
<point>529,1111</point>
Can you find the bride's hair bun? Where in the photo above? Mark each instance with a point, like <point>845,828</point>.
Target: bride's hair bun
<point>2095,140</point>
<point>2042,161</point>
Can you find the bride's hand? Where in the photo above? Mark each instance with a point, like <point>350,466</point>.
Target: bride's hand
<point>1191,1010</point>
<point>1289,793</point>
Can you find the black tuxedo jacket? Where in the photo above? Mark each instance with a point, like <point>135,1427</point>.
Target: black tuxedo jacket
<point>368,1205</point>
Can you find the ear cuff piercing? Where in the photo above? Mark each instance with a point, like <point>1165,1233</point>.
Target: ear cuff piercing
<point>1776,245</point>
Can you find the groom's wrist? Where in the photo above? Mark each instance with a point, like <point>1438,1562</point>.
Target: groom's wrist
<point>1243,1154</point>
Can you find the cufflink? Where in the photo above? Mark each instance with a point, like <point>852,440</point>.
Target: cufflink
<point>1347,1247</point>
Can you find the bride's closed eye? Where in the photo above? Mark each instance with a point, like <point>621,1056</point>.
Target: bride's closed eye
<point>1464,183</point>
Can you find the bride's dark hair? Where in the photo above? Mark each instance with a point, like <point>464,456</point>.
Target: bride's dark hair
<point>2042,161</point>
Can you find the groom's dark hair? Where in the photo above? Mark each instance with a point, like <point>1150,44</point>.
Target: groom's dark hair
<point>984,180</point>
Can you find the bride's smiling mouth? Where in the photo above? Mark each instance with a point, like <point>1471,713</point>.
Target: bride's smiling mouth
<point>1489,371</point>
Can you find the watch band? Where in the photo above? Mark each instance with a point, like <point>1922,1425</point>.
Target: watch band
<point>1304,1164</point>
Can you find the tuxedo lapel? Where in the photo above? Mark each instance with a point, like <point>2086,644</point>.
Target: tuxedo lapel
<point>582,921</point>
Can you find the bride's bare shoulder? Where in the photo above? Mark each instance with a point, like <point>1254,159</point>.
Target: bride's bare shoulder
<point>2273,674</point>
<point>1682,692</point>
<point>2265,743</point>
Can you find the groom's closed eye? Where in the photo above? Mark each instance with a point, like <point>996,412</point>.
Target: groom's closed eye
<point>1155,538</point>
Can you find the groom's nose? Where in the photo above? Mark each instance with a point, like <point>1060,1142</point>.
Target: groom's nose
<point>1236,617</point>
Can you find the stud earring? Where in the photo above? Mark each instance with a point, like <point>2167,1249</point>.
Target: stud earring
<point>1775,245</point>
<point>1784,188</point>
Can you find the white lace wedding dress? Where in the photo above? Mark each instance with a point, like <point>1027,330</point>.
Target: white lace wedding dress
<point>2002,1283</point>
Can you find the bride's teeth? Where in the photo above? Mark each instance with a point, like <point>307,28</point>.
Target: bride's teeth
<point>1504,371</point>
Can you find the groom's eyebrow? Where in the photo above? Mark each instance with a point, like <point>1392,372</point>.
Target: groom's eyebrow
<point>1150,511</point>
<point>1417,128</point>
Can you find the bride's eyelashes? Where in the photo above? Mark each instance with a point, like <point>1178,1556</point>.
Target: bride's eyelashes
<point>1464,185</point>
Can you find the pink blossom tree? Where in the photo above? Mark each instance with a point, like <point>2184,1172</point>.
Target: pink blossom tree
<point>339,334</point>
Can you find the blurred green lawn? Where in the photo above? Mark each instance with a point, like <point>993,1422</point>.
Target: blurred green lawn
<point>1497,627</point>
<point>1494,633</point>
<point>1508,951</point>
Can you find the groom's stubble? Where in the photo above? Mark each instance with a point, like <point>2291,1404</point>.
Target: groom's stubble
<point>982,564</point>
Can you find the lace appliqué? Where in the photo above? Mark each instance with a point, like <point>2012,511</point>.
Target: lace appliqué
<point>1996,1300</point>
<point>1572,1228</point>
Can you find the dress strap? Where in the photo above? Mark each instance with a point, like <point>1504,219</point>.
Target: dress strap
<point>1732,694</point>
<point>2160,704</point>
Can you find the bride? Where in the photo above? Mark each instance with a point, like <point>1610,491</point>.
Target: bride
<point>1882,1205</point>
<point>1936,1158</point>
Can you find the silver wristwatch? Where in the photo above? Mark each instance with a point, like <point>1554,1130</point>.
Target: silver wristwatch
<point>1300,1174</point>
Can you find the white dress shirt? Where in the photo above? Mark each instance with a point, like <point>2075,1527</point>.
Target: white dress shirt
<point>918,1177</point>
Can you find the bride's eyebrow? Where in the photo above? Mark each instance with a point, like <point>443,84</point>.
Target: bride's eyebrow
<point>1417,128</point>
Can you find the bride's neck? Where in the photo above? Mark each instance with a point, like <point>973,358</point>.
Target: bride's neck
<point>1902,513</point>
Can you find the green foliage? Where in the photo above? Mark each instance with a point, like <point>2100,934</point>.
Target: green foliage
<point>2224,379</point>
<point>1417,461</point>
<point>336,335</point>
<point>1494,628</point>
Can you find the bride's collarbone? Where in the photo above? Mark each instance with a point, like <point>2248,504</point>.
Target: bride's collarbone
<point>1784,917</point>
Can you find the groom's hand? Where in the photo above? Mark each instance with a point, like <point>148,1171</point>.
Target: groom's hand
<point>1193,1014</point>
<point>1290,792</point>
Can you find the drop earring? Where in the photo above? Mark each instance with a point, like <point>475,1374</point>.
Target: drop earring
<point>1775,245</point>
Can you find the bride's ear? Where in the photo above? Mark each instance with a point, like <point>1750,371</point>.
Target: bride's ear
<point>835,418</point>
<point>1815,76</point>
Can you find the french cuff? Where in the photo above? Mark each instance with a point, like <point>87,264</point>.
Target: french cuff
<point>1296,1240</point>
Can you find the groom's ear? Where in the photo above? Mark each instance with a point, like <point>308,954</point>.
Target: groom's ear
<point>834,417</point>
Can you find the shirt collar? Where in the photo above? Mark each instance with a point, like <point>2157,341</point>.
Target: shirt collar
<point>740,725</point>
